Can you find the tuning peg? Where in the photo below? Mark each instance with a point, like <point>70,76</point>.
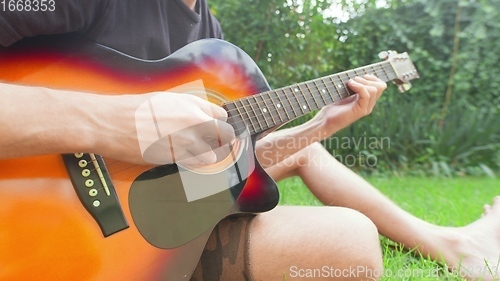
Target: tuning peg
<point>404,87</point>
<point>383,55</point>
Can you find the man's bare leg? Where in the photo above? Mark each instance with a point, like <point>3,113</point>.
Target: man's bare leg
<point>314,243</point>
<point>293,243</point>
<point>336,185</point>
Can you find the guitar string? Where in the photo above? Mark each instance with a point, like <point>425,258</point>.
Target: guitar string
<point>296,100</point>
<point>328,85</point>
<point>121,170</point>
<point>94,169</point>
<point>266,115</point>
<point>110,163</point>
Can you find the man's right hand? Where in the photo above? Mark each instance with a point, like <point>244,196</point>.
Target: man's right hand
<point>181,128</point>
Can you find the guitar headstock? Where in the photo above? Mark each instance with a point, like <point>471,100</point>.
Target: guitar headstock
<point>403,68</point>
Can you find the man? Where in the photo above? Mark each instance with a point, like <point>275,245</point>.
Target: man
<point>269,245</point>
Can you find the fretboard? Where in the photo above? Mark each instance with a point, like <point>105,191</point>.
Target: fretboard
<point>276,107</point>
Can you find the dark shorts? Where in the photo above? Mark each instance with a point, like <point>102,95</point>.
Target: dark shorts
<point>226,255</point>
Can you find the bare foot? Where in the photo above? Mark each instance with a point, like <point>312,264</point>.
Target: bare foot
<point>486,209</point>
<point>473,251</point>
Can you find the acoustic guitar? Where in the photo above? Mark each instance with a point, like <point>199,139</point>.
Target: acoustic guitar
<point>84,217</point>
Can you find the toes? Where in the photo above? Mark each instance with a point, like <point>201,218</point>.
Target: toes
<point>486,209</point>
<point>496,200</point>
<point>495,207</point>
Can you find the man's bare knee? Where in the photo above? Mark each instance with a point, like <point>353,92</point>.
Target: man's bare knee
<point>362,247</point>
<point>312,155</point>
<point>306,240</point>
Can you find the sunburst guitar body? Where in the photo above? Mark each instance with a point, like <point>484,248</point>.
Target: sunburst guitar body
<point>84,217</point>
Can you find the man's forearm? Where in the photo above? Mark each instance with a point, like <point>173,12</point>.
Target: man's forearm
<point>279,145</point>
<point>36,121</point>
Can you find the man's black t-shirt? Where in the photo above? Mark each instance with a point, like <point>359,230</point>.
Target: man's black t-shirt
<point>147,29</point>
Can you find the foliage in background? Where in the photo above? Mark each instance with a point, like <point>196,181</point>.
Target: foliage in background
<point>447,123</point>
<point>407,137</point>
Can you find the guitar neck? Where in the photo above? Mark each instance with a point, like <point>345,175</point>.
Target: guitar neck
<point>276,107</point>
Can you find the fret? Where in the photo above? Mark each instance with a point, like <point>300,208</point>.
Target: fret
<point>337,89</point>
<point>294,93</point>
<point>252,114</point>
<point>392,75</point>
<point>306,99</point>
<point>314,96</point>
<point>239,129</point>
<point>230,108</point>
<point>364,70</point>
<point>280,105</point>
<point>248,114</point>
<point>277,104</point>
<point>291,104</point>
<point>360,71</point>
<point>255,111</point>
<point>321,91</point>
<point>346,77</point>
<point>265,111</point>
<point>385,73</point>
<point>283,104</point>
<point>258,111</point>
<point>255,118</point>
<point>328,88</point>
<point>347,74</point>
<point>374,70</point>
<point>379,70</point>
<point>272,107</point>
<point>271,111</point>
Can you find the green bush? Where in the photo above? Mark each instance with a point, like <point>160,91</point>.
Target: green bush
<point>404,136</point>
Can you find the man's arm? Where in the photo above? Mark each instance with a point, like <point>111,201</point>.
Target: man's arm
<point>279,145</point>
<point>36,121</point>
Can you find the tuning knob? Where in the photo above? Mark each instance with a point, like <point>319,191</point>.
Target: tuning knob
<point>383,55</point>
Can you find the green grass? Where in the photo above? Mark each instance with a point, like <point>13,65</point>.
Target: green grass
<point>443,201</point>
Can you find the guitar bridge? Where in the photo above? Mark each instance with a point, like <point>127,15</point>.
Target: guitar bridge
<point>95,190</point>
